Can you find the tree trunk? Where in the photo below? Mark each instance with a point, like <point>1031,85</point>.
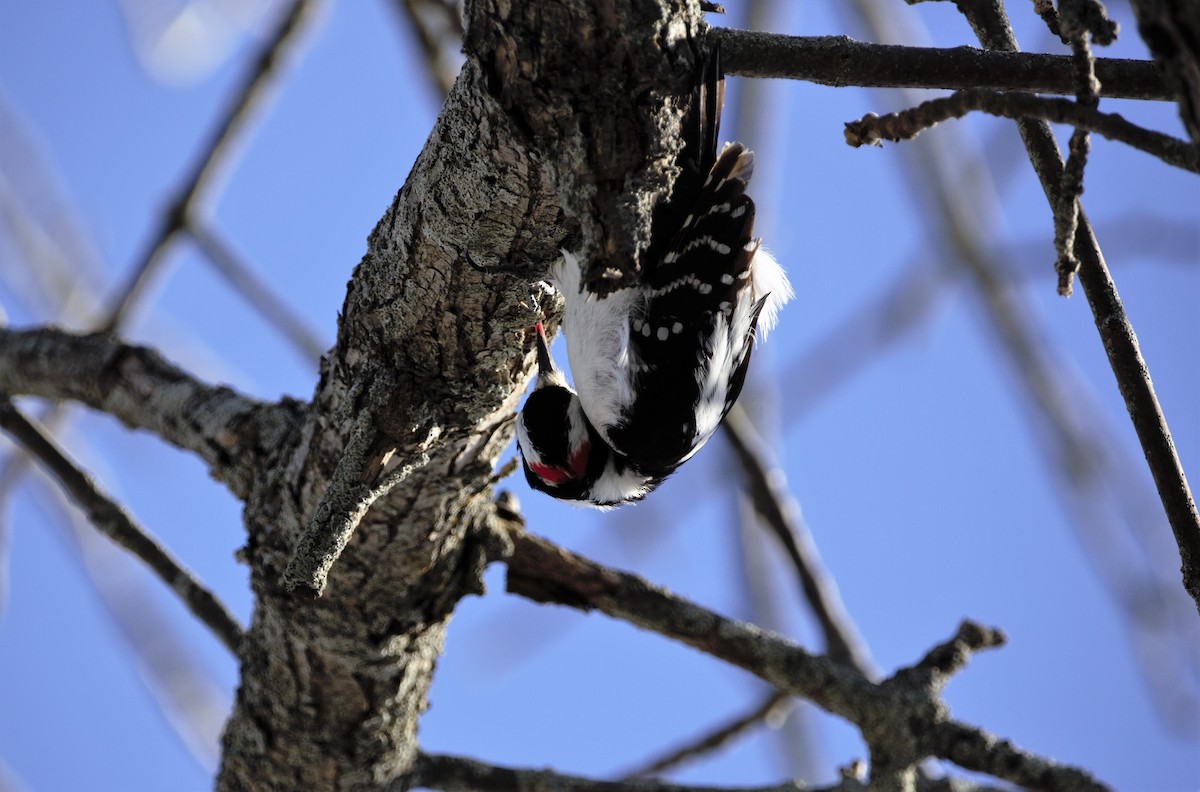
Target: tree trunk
<point>554,131</point>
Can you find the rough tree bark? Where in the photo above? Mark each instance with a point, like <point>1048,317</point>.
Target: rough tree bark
<point>555,116</point>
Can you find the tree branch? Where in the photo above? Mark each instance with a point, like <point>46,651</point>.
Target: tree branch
<point>841,61</point>
<point>907,124</point>
<point>459,774</point>
<point>232,124</point>
<point>990,23</point>
<point>241,277</point>
<point>114,522</point>
<point>230,432</point>
<point>902,719</point>
<point>554,132</point>
<point>842,641</point>
<point>773,706</point>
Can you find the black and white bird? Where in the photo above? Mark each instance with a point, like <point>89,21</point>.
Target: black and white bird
<point>656,366</point>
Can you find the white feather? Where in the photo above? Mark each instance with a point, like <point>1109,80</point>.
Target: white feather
<point>601,360</point>
<point>615,487</point>
<point>769,279</point>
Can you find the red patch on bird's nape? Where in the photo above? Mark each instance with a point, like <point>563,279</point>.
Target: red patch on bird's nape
<point>579,459</point>
<point>554,475</point>
<point>549,473</point>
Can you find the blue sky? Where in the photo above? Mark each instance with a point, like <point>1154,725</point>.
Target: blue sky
<point>921,472</point>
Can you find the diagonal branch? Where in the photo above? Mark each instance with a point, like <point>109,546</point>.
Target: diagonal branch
<point>241,277</point>
<point>230,432</point>
<point>262,74</point>
<point>907,124</point>
<point>990,23</point>
<point>842,641</point>
<point>190,698</point>
<point>773,706</point>
<point>1171,29</point>
<point>841,61</point>
<point>115,523</point>
<point>902,718</point>
<point>437,27</point>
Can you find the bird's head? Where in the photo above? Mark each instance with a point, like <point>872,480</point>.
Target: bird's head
<point>558,450</point>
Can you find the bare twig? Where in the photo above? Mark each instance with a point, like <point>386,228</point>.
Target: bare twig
<point>235,120</point>
<point>1049,14</point>
<point>841,61</point>
<point>907,124</point>
<point>175,674</point>
<point>241,277</point>
<point>902,718</point>
<point>1097,482</point>
<point>460,774</point>
<point>1078,20</point>
<point>842,641</point>
<point>1120,342</point>
<point>437,26</point>
<point>111,520</point>
<point>773,706</point>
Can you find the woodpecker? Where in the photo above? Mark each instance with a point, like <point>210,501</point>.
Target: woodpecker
<point>656,366</point>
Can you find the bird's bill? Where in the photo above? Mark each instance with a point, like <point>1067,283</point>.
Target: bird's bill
<point>545,362</point>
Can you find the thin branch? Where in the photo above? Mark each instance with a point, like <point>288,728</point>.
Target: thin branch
<point>1099,485</point>
<point>907,124</point>
<point>459,774</point>
<point>111,520</point>
<point>990,23</point>
<point>136,386</point>
<point>1078,20</point>
<point>190,699</point>
<point>773,706</point>
<point>241,277</point>
<point>950,657</point>
<point>902,718</point>
<point>773,503</point>
<point>233,123</point>
<point>436,40</point>
<point>841,61</point>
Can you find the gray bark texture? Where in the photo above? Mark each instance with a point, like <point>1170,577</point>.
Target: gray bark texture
<point>546,135</point>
